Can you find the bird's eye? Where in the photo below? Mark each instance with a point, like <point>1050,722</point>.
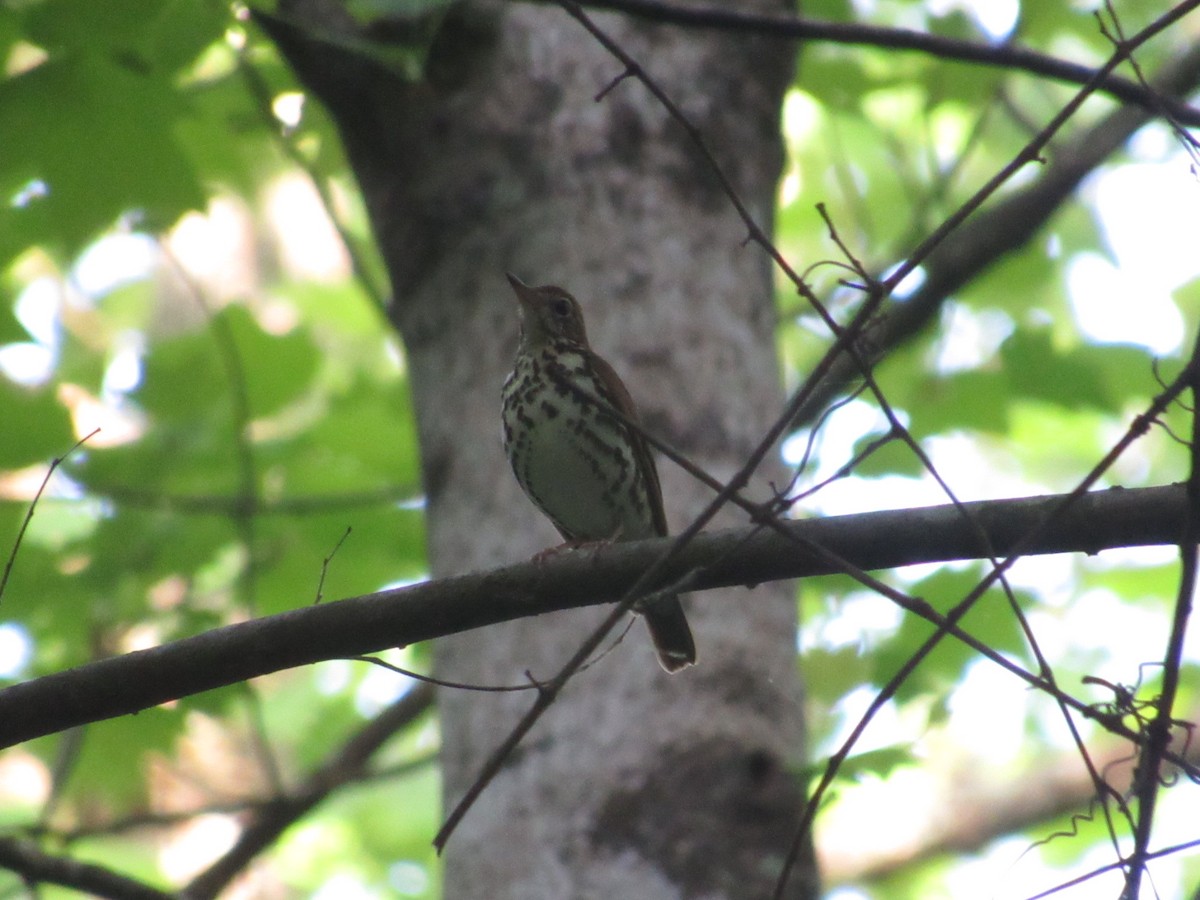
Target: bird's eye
<point>561,307</point>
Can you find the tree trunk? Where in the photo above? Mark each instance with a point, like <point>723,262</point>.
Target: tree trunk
<point>635,784</point>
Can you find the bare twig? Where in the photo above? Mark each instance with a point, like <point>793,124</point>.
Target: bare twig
<point>224,505</point>
<point>54,464</point>
<point>1148,774</point>
<point>1006,55</point>
<point>325,565</point>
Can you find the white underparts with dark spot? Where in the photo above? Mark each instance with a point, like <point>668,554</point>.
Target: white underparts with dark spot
<point>574,468</point>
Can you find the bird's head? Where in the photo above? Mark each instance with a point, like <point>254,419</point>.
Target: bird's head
<point>548,314</point>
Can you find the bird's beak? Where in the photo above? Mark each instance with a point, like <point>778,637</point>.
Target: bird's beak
<point>519,287</point>
<point>523,291</point>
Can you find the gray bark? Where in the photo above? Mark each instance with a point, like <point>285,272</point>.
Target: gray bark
<point>635,783</point>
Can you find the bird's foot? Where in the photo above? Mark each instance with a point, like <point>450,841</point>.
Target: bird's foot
<point>566,546</point>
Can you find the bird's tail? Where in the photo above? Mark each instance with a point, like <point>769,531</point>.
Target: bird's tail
<point>670,632</point>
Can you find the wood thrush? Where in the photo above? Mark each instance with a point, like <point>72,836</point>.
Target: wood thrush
<point>588,471</point>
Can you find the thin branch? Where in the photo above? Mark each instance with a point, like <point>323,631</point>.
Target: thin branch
<point>755,232</point>
<point>346,765</point>
<point>1029,153</point>
<point>54,464</point>
<point>1036,532</point>
<point>444,682</point>
<point>1032,151</point>
<point>1046,789</point>
<point>992,233</point>
<point>224,505</point>
<point>1100,870</point>
<point>34,866</point>
<point>1148,775</point>
<point>1005,55</point>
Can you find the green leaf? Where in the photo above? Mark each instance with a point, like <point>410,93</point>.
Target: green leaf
<point>830,674</point>
<point>276,368</point>
<point>1037,370</point>
<point>976,400</point>
<point>1027,279</point>
<point>876,763</point>
<point>11,330</point>
<point>134,550</point>
<point>208,374</point>
<point>1039,22</point>
<point>834,10</point>
<point>835,76</point>
<point>990,620</point>
<point>150,34</point>
<point>37,426</point>
<point>81,362</point>
<point>386,544</point>
<point>893,458</point>
<point>1187,295</point>
<point>234,359</point>
<point>107,107</point>
<point>228,138</point>
<point>1057,441</point>
<point>1134,582</point>
<point>955,24</point>
<point>107,762</point>
<point>369,435</point>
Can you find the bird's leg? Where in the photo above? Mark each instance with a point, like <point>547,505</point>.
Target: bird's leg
<point>575,544</point>
<point>550,552</point>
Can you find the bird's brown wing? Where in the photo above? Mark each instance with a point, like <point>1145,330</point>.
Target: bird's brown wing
<point>618,396</point>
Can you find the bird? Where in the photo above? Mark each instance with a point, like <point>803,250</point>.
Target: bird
<point>588,471</point>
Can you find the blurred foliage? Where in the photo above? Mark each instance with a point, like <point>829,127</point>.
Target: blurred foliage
<point>252,422</point>
<point>248,426</point>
